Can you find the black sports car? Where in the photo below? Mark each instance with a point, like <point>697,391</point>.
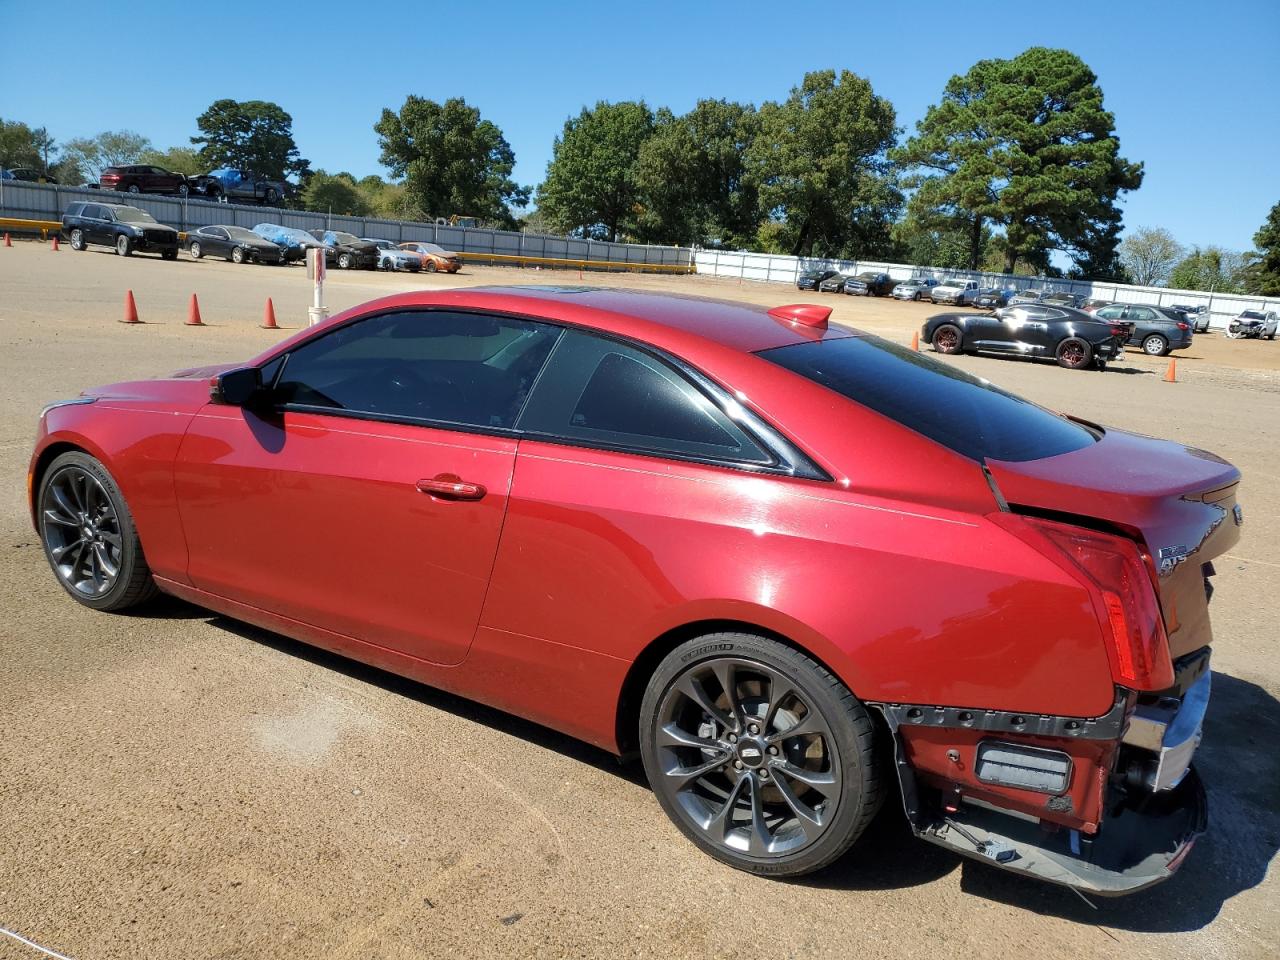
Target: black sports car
<point>812,279</point>
<point>236,244</point>
<point>1072,337</point>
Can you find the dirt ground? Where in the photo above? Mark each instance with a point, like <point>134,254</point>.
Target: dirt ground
<point>175,784</point>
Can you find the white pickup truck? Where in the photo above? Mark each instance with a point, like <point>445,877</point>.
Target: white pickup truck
<point>959,292</point>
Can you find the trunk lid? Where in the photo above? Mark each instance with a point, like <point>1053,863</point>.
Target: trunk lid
<point>1179,502</point>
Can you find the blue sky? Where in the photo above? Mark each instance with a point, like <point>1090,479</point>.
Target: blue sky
<point>1193,86</point>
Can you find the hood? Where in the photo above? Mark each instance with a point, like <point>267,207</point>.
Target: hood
<point>205,372</point>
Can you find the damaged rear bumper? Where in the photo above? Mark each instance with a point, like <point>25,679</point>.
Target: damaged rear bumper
<point>1141,843</point>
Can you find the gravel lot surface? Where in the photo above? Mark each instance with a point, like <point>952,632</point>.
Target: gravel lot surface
<point>179,785</point>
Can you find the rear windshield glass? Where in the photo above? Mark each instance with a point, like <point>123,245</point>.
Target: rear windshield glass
<point>957,409</point>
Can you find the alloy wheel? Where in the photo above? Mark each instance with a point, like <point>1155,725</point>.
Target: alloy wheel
<point>747,758</point>
<point>81,532</point>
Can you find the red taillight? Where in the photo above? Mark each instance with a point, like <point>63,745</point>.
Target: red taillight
<point>1119,331</point>
<point>1183,326</point>
<point>1124,597</point>
<point>110,177</point>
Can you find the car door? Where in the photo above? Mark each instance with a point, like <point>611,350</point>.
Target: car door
<point>619,452</point>
<point>1145,322</point>
<point>219,241</point>
<point>103,226</point>
<point>367,496</point>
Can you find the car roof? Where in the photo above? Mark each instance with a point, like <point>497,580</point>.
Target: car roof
<point>685,325</point>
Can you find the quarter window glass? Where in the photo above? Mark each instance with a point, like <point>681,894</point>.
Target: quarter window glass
<point>459,368</point>
<point>605,393</point>
<point>1110,313</point>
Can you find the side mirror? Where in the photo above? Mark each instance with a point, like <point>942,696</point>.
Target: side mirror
<point>237,388</point>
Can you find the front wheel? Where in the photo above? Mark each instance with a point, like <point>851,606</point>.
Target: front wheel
<point>124,247</point>
<point>760,755</point>
<point>345,261</point>
<point>1074,353</point>
<point>196,252</point>
<point>88,535</point>
<point>1233,333</point>
<point>184,190</point>
<point>947,338</point>
<point>237,255</point>
<point>431,266</point>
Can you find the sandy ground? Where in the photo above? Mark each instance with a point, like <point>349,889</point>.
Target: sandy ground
<point>175,784</point>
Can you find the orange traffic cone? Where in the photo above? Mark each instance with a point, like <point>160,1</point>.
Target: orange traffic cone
<point>193,313</point>
<point>130,309</point>
<point>7,241</point>
<point>55,243</point>
<point>915,341</point>
<point>269,316</point>
<point>1171,375</point>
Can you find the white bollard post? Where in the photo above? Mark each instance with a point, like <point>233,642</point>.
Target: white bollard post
<point>315,271</point>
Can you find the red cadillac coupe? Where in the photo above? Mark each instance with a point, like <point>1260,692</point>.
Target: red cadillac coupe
<point>800,570</point>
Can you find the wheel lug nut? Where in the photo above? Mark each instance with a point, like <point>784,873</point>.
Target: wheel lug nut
<point>764,774</point>
<point>737,764</point>
<point>773,751</point>
<point>753,728</point>
<point>733,738</point>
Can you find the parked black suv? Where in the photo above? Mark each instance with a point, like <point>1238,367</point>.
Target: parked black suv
<point>116,225</point>
<point>1156,332</point>
<point>349,250</point>
<point>144,178</point>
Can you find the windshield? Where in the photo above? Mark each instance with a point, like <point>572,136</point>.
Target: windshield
<point>1251,315</point>
<point>132,215</point>
<point>947,405</point>
<point>345,238</point>
<point>430,248</point>
<point>240,233</point>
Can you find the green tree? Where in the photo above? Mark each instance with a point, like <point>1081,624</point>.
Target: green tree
<point>1261,276</point>
<point>335,193</point>
<point>819,161</point>
<point>691,177</point>
<point>1026,145</point>
<point>178,159</point>
<point>254,135</point>
<point>18,147</point>
<point>452,160</point>
<point>1209,268</point>
<point>938,241</point>
<point>591,184</point>
<point>108,149</point>
<point>1148,254</point>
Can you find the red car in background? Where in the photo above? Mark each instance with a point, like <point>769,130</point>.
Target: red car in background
<point>799,569</point>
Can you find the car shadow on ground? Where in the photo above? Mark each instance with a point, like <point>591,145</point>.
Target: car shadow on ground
<point>1237,761</point>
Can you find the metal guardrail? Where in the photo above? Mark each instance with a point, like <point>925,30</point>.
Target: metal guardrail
<point>32,201</point>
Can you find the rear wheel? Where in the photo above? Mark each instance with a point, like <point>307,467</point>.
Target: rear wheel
<point>133,188</point>
<point>270,197</point>
<point>947,338</point>
<point>759,755</point>
<point>124,247</point>
<point>88,535</point>
<point>1155,345</point>
<point>1074,353</point>
<point>77,240</point>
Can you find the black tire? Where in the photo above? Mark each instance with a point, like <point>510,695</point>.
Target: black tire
<point>1100,365</point>
<point>77,239</point>
<point>237,255</point>
<point>270,197</point>
<point>132,584</point>
<point>133,188</point>
<point>124,246</point>
<point>345,261</point>
<point>1074,353</point>
<point>169,255</point>
<point>184,190</point>
<point>431,266</point>
<point>1155,345</point>
<point>947,338</point>
<point>840,757</point>
<point>196,252</point>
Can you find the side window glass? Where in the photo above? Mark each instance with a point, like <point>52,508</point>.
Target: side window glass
<point>601,392</point>
<point>1141,313</point>
<point>457,368</point>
